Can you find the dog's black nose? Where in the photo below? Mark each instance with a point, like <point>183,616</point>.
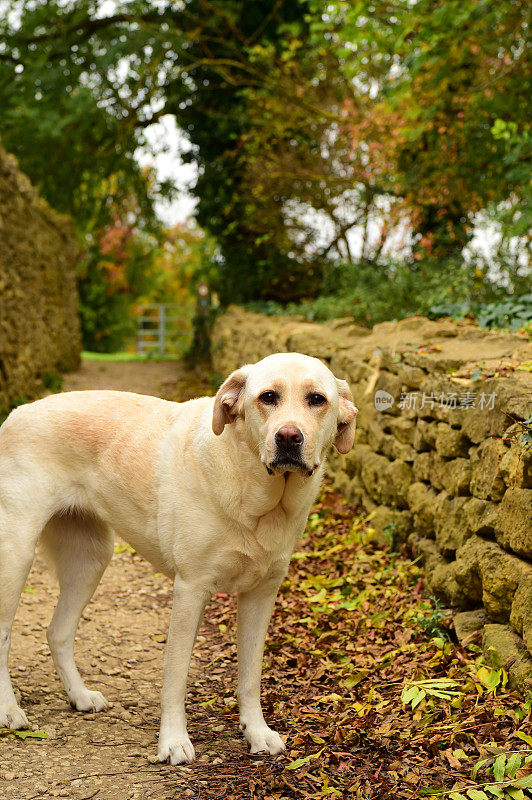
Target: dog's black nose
<point>288,435</point>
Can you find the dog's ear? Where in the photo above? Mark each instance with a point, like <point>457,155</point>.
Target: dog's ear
<point>227,403</point>
<point>347,412</point>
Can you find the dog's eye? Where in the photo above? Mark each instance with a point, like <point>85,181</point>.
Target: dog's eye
<point>268,398</point>
<point>316,399</point>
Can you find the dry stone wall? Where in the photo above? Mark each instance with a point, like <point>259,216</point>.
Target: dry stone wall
<point>439,457</point>
<point>39,328</point>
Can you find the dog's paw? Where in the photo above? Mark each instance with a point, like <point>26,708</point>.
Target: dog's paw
<point>176,750</point>
<point>263,740</point>
<point>89,701</point>
<point>14,718</point>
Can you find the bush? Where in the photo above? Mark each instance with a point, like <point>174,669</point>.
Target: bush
<point>511,313</point>
<point>371,293</point>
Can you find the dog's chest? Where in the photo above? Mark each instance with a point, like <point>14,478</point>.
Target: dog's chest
<point>259,552</point>
<point>267,529</point>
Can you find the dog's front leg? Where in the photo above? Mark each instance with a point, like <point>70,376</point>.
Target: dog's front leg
<point>187,610</point>
<point>254,611</point>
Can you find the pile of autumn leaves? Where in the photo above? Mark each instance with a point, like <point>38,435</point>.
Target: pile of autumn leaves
<point>377,699</point>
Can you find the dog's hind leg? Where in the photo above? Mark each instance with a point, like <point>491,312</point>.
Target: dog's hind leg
<point>17,549</point>
<point>80,547</point>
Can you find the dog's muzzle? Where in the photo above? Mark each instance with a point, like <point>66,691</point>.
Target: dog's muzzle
<point>288,446</point>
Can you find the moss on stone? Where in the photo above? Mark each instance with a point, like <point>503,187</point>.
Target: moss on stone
<point>39,328</point>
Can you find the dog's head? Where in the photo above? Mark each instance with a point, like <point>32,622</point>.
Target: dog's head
<point>289,408</point>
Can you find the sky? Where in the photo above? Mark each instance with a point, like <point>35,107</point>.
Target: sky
<point>168,143</point>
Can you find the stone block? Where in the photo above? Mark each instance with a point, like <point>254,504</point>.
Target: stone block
<point>403,451</point>
<point>390,383</point>
<point>347,327</point>
<point>500,574</point>
<point>420,443</point>
<point>375,436</point>
<point>467,623</point>
<point>349,365</point>
<point>521,612</point>
<point>450,524</point>
<point>335,460</point>
<point>452,584</point>
<point>487,481</point>
<point>388,446</point>
<point>412,377</point>
<point>514,521</point>
<point>366,500</point>
<point>481,516</point>
<point>453,476</point>
<point>427,551</point>
<point>453,415</point>
<point>447,396</point>
<point>423,503</point>
<point>397,479</point>
<point>402,428</point>
<point>373,474</point>
<point>352,462</point>
<point>421,467</point>
<point>509,400</point>
<point>516,466</point>
<point>432,362</point>
<point>316,340</point>
<point>425,435</point>
<point>357,455</point>
<point>503,648</point>
<point>391,525</point>
<point>449,442</point>
<point>384,358</point>
<point>344,484</point>
<point>456,476</point>
<point>362,436</point>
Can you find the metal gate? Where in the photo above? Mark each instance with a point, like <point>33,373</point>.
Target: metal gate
<point>164,329</point>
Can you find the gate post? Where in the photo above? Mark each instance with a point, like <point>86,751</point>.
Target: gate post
<point>201,344</point>
<point>162,329</point>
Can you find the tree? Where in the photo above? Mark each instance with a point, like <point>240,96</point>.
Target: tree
<point>91,82</point>
<point>306,122</point>
<point>440,74</point>
<point>215,101</point>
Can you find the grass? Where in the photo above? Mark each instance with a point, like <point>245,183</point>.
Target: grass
<point>89,356</point>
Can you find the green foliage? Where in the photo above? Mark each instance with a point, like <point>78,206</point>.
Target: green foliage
<point>451,88</point>
<point>106,296</point>
<point>415,692</point>
<point>526,436</point>
<point>414,122</point>
<point>371,293</point>
<point>23,734</point>
<point>512,313</point>
<point>431,622</point>
<point>366,292</point>
<point>389,533</point>
<point>87,355</point>
<point>75,97</point>
<point>510,773</point>
<point>68,114</point>
<point>215,105</point>
<point>53,381</point>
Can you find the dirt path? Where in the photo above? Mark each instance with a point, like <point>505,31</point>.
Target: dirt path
<point>120,645</point>
<point>166,379</point>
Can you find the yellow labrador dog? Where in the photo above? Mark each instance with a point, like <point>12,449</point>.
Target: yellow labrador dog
<point>214,492</point>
